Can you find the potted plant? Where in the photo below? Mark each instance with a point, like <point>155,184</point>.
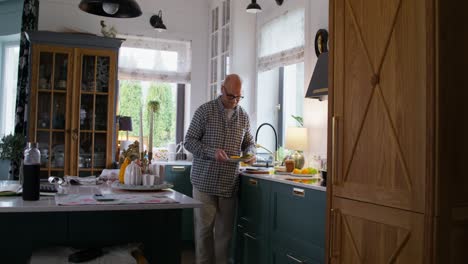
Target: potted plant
<point>11,149</point>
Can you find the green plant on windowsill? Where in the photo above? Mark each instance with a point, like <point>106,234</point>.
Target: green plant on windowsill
<point>12,147</point>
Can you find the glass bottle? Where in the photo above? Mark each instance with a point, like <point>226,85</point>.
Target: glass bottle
<point>31,172</point>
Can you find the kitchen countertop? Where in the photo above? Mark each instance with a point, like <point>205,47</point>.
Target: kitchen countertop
<point>282,179</point>
<point>176,162</point>
<point>47,203</point>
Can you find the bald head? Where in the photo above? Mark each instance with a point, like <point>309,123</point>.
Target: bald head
<point>232,80</point>
<point>231,91</point>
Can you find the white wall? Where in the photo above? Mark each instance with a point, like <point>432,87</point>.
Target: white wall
<point>316,17</point>
<point>244,52</point>
<point>185,20</point>
<point>315,112</point>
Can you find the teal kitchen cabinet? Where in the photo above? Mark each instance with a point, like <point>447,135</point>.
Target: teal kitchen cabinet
<point>279,223</point>
<point>179,176</point>
<point>297,224</point>
<point>252,219</point>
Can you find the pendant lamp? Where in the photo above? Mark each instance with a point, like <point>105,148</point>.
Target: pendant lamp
<point>111,8</point>
<point>318,86</point>
<point>253,7</point>
<point>157,22</point>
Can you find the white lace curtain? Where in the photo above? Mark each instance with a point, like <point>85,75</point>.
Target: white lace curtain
<point>158,60</point>
<point>281,41</point>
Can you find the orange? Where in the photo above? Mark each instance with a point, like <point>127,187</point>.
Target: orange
<point>297,171</point>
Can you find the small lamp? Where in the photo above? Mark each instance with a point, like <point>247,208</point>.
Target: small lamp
<point>157,22</point>
<point>253,7</point>
<point>296,139</point>
<point>125,124</point>
<point>111,8</point>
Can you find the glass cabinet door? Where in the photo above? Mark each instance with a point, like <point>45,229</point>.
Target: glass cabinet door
<point>94,113</point>
<point>49,107</point>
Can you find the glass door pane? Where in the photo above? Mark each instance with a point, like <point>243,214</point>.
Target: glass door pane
<point>60,72</point>
<point>94,106</point>
<point>45,70</point>
<point>102,74</point>
<point>101,113</point>
<point>88,73</point>
<point>86,112</point>
<point>51,109</point>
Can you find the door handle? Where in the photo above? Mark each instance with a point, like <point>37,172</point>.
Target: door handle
<point>298,192</point>
<point>253,182</point>
<point>334,148</point>
<point>178,168</point>
<point>294,259</point>
<point>250,236</point>
<point>333,233</point>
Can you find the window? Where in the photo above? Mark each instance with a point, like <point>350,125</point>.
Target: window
<point>8,78</point>
<point>280,74</point>
<point>154,70</point>
<point>219,46</point>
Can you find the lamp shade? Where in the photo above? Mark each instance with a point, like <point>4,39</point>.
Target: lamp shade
<point>111,8</point>
<point>296,138</point>
<point>253,7</point>
<point>318,85</point>
<point>125,123</point>
<point>157,22</point>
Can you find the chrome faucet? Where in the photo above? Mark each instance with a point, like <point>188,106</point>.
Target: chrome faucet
<point>276,141</point>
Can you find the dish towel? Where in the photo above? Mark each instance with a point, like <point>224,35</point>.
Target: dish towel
<point>87,199</point>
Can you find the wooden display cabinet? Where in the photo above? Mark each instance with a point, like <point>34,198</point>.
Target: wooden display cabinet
<point>73,102</point>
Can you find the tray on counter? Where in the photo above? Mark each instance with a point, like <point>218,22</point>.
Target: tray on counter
<point>129,187</point>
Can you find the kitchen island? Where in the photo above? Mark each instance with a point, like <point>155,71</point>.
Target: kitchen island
<point>29,225</point>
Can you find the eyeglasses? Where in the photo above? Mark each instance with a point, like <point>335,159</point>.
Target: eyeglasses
<point>233,97</point>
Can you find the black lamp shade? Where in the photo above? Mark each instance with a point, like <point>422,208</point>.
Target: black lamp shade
<point>157,22</point>
<point>125,123</point>
<point>253,7</point>
<point>111,8</point>
<point>318,86</point>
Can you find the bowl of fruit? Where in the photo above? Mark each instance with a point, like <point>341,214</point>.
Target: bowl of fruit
<point>305,172</point>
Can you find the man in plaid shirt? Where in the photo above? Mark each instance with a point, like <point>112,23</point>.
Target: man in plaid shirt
<point>219,129</point>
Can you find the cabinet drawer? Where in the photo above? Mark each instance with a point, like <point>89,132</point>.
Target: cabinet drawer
<point>298,219</point>
<point>253,206</point>
<point>250,247</point>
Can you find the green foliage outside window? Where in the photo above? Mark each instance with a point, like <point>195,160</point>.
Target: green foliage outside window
<point>131,100</point>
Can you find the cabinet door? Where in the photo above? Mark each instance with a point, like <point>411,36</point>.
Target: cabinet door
<point>95,110</point>
<point>367,233</point>
<point>179,176</point>
<point>297,220</point>
<point>50,121</point>
<point>250,247</point>
<point>254,203</point>
<point>381,136</point>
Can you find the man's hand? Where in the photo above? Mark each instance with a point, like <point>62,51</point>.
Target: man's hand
<point>251,160</point>
<point>220,155</point>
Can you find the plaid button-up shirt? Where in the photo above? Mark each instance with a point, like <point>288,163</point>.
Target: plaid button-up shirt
<point>210,130</point>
